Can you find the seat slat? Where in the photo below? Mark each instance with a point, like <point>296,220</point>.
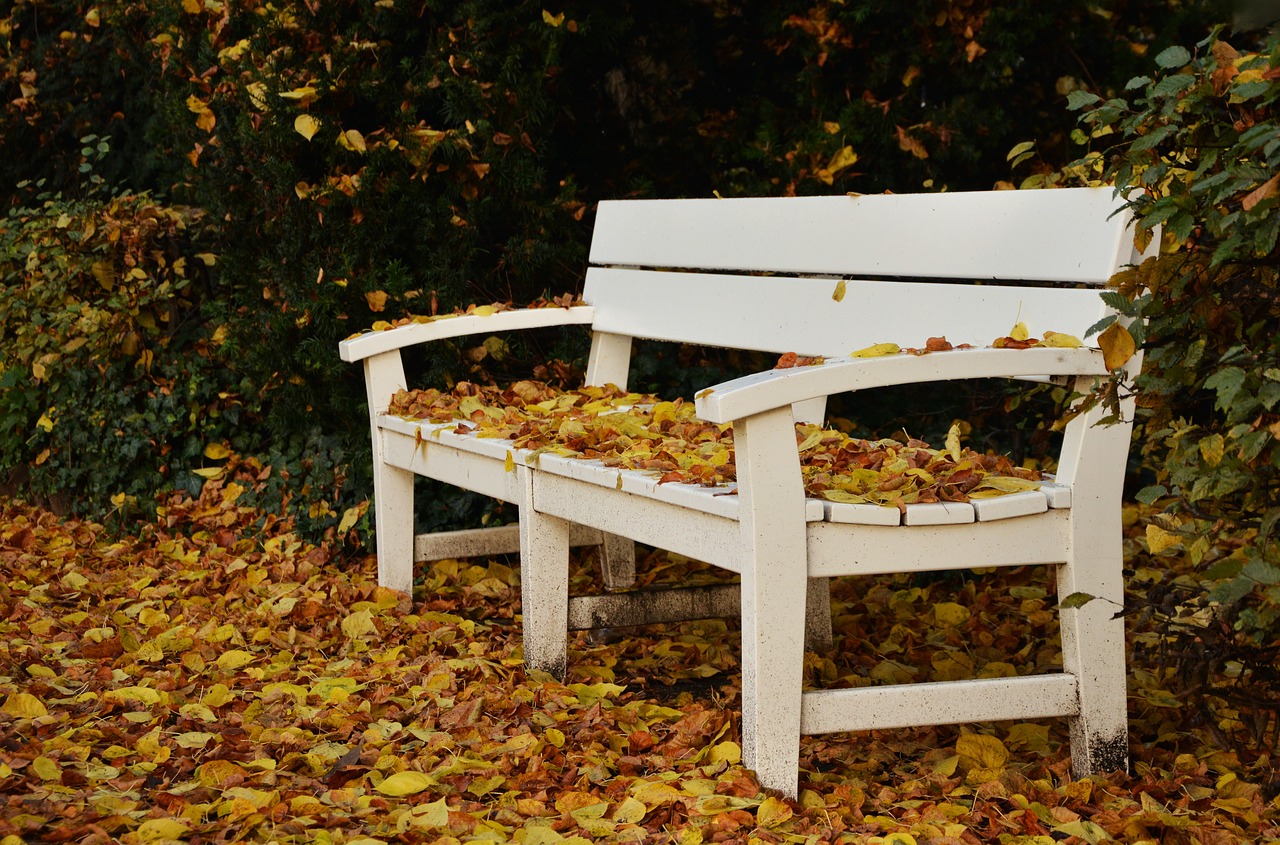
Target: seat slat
<point>846,513</point>
<point>1010,505</point>
<point>1062,235</point>
<point>941,513</point>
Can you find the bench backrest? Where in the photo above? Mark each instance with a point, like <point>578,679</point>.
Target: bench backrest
<point>761,273</point>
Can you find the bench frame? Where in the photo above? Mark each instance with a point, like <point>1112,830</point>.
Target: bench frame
<point>784,546</point>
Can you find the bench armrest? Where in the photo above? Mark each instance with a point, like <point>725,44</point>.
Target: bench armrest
<point>376,342</point>
<point>760,392</point>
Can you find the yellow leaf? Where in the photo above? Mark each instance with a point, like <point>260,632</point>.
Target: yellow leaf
<point>950,613</point>
<point>509,463</point>
<point>160,830</point>
<point>298,93</point>
<point>999,485</point>
<point>1117,346</point>
<point>630,811</point>
<point>24,705</point>
<point>45,422</point>
<point>552,20</point>
<point>725,752</point>
<point>484,311</point>
<point>357,625</point>
<point>352,140</point>
<point>773,812</point>
<point>220,774</point>
<point>844,158</point>
<point>953,442</point>
<point>838,295</point>
<point>192,7</point>
<point>1058,340</point>
<point>435,814</point>
<point>877,350</point>
<point>211,473</point>
<point>1159,539</point>
<point>980,751</point>
<point>653,794</point>
<point>218,695</point>
<point>555,737</point>
<point>234,659</point>
<point>1212,449</point>
<point>405,783</point>
<point>195,739</point>
<point>349,518</point>
<point>306,125</point>
<point>377,300</point>
<point>217,451</point>
<point>1019,332</point>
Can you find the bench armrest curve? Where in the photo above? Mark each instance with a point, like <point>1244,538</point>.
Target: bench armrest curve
<point>376,342</point>
<point>759,392</point>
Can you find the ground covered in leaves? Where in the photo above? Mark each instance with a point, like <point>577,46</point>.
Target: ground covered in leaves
<point>213,679</point>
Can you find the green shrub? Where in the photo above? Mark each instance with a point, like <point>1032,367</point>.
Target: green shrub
<point>1200,136</point>
<point>357,161</point>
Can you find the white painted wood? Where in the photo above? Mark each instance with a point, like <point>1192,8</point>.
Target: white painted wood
<point>752,394</point>
<point>810,411</point>
<point>836,549</point>
<point>376,342</point>
<point>939,703</point>
<point>774,587</point>
<point>480,542</point>
<point>1009,506</point>
<point>617,562</point>
<point>941,513</point>
<point>478,473</point>
<point>1063,234</point>
<point>692,533</point>
<point>850,514</point>
<point>711,309</point>
<point>392,485</point>
<point>544,581</point>
<point>818,636</point>
<point>653,607</point>
<point>610,359</point>
<point>1059,495</point>
<point>1093,648</point>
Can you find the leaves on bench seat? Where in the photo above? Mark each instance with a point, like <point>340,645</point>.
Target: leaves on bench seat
<point>642,432</point>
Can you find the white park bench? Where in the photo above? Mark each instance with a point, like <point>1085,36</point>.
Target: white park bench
<point>760,274</point>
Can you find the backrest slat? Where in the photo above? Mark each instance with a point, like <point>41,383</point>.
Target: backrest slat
<point>797,314</point>
<point>1063,235</point>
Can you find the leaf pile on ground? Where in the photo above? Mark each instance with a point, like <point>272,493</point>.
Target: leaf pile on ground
<point>641,432</point>
<point>212,678</point>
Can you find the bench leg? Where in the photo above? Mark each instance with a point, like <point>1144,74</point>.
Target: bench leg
<point>774,589</point>
<point>817,620</point>
<point>1093,646</point>
<point>617,562</point>
<point>544,585</point>
<point>393,524</point>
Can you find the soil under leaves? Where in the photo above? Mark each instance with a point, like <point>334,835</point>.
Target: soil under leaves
<point>212,678</point>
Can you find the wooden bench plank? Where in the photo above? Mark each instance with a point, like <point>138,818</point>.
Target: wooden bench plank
<point>710,308</point>
<point>1064,235</point>
<point>950,702</point>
